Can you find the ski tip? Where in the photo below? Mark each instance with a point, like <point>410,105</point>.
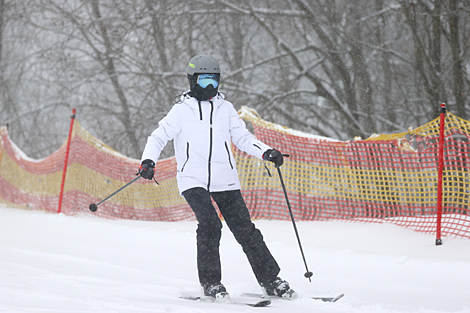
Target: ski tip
<point>262,303</point>
<point>194,298</point>
<point>329,299</point>
<point>337,297</point>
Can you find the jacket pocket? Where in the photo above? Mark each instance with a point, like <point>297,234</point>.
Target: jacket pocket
<point>187,157</point>
<point>228,153</point>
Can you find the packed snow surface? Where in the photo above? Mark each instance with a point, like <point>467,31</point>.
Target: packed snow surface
<point>59,263</point>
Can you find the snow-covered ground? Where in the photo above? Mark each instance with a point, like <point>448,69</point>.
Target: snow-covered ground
<point>59,263</point>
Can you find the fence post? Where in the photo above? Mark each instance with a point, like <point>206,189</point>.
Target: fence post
<point>439,173</point>
<point>66,160</point>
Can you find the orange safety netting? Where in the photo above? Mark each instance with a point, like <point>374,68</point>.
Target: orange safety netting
<point>386,178</point>
<point>94,171</point>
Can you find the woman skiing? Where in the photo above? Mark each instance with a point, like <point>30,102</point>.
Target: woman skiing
<point>203,126</point>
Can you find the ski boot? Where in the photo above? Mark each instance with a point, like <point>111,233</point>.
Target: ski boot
<point>215,292</point>
<point>279,288</point>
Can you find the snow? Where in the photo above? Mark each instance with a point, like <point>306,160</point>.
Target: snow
<point>59,263</point>
<point>19,154</point>
<point>251,114</point>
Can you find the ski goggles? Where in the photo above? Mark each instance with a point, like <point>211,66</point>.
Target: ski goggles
<point>205,80</point>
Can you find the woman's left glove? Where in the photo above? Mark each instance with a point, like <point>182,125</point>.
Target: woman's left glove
<point>274,156</point>
<point>147,169</point>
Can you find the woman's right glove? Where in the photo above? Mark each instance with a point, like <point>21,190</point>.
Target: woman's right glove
<point>147,169</point>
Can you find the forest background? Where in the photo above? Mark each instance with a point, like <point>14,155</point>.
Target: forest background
<point>339,69</point>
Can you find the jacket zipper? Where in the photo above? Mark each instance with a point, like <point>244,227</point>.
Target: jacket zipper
<point>228,153</point>
<point>187,156</point>
<point>210,149</point>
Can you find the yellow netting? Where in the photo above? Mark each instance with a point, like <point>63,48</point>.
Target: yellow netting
<point>389,178</point>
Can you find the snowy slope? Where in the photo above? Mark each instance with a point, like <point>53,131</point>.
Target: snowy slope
<point>59,263</point>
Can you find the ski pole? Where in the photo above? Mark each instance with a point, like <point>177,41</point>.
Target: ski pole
<point>307,274</point>
<point>93,207</point>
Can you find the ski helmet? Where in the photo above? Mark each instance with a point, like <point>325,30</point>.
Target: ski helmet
<point>202,66</point>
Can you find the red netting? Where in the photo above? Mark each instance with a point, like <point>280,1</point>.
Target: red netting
<point>387,178</point>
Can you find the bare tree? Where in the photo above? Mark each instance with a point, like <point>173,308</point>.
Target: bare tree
<point>458,72</point>
<point>341,68</point>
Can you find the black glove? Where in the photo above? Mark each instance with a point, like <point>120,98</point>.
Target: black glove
<point>146,169</point>
<point>274,156</point>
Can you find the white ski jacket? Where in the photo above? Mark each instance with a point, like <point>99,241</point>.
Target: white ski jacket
<point>202,133</point>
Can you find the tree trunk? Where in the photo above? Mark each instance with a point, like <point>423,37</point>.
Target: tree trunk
<point>457,67</point>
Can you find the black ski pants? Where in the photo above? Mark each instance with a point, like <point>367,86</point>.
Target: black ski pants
<point>208,234</point>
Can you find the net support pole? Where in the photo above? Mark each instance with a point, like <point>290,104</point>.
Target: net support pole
<point>66,160</point>
<point>440,173</point>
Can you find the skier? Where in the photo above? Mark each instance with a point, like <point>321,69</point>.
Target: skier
<point>203,126</point>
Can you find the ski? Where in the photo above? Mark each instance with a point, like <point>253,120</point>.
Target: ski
<point>324,299</point>
<point>258,304</point>
<point>329,299</point>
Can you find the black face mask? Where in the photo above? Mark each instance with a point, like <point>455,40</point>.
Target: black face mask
<point>201,94</point>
